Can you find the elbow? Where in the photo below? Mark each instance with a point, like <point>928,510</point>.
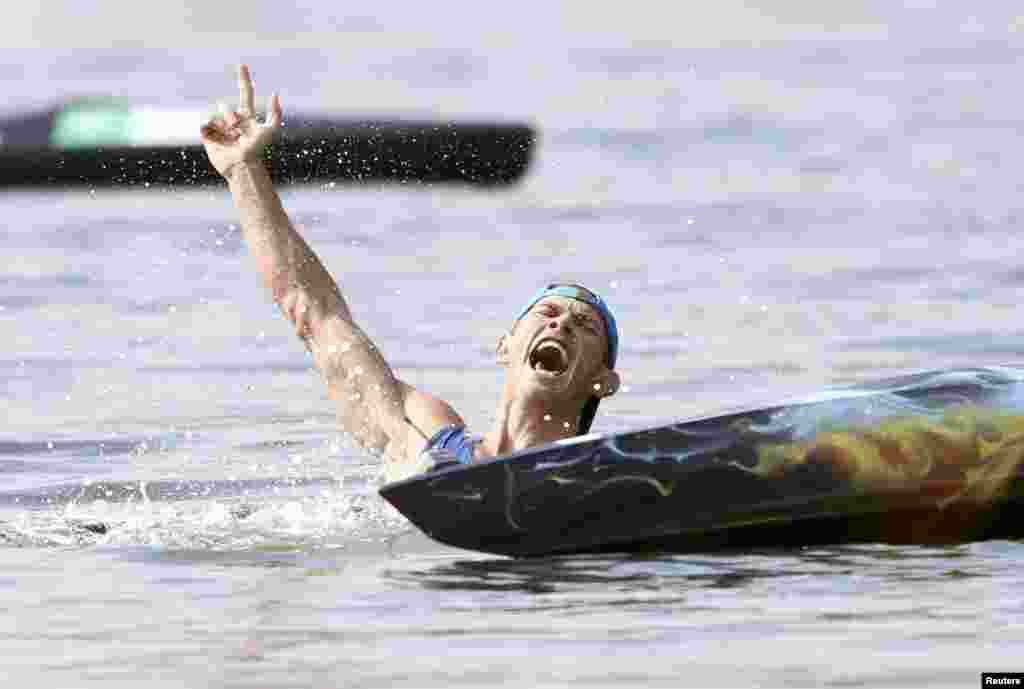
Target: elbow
<point>303,311</point>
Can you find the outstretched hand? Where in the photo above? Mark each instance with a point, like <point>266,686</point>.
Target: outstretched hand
<point>236,137</point>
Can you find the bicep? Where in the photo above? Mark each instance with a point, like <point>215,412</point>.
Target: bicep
<point>368,399</point>
<point>425,413</point>
<point>379,411</point>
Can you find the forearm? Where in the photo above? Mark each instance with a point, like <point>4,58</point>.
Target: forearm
<point>288,267</point>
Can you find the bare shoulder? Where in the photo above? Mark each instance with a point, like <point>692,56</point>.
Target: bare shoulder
<point>427,413</point>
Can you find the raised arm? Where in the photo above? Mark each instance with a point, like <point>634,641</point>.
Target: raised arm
<point>379,411</point>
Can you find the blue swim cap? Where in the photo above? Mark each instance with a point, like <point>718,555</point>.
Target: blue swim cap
<point>581,293</point>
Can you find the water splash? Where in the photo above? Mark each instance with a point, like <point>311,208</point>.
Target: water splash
<point>209,515</point>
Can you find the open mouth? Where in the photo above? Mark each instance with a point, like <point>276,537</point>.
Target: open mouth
<point>549,357</point>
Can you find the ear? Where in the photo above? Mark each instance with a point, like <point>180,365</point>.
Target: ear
<point>609,383</point>
<point>501,351</point>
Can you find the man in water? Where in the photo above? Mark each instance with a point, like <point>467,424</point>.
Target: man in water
<point>559,356</point>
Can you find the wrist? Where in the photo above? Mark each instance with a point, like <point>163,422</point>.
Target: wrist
<point>244,169</point>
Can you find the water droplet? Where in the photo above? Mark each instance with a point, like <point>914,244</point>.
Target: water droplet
<point>547,417</point>
<point>565,424</point>
<point>597,386</point>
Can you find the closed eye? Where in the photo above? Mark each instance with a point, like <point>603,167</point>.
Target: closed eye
<point>582,320</point>
<point>586,323</point>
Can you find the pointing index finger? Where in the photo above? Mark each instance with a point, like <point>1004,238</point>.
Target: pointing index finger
<point>246,99</point>
<point>275,112</point>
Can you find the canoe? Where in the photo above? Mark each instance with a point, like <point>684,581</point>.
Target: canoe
<point>105,142</point>
<point>930,458</point>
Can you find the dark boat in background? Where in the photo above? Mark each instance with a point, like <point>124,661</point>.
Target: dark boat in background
<point>107,142</point>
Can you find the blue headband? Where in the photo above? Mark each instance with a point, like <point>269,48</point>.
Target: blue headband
<point>585,295</point>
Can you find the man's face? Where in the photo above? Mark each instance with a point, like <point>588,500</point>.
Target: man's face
<point>560,346</point>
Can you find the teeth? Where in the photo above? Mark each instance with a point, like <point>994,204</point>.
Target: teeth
<point>556,345</point>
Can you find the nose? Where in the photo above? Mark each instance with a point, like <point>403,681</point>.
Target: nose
<point>562,321</point>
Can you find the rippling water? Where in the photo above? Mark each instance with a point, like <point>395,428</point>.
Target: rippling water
<point>773,196</point>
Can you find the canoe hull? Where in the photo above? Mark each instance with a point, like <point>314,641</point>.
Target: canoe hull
<point>932,459</point>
